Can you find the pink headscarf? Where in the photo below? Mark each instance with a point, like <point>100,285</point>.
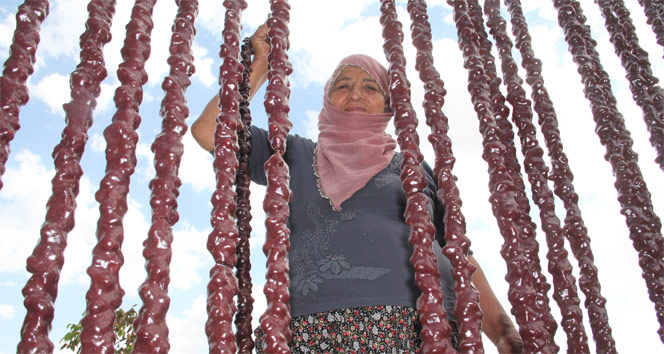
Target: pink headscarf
<point>352,146</point>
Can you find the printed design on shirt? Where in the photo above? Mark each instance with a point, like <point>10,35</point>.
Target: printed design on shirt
<point>313,264</point>
<point>386,176</point>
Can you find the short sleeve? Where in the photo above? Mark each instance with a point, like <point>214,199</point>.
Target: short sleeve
<point>260,152</point>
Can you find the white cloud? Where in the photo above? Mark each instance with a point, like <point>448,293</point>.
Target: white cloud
<point>26,190</point>
<point>449,18</point>
<point>148,97</point>
<point>28,186</point>
<point>260,304</point>
<point>430,3</point>
<point>549,45</point>
<point>66,17</point>
<point>81,240</point>
<point>546,9</point>
<point>187,332</point>
<point>157,66</point>
<point>315,54</point>
<point>203,66</point>
<point>136,224</point>
<point>112,55</point>
<point>7,27</point>
<point>7,312</point>
<point>211,16</point>
<point>258,217</point>
<point>312,124</point>
<point>105,99</point>
<point>145,167</point>
<point>196,166</point>
<point>463,128</point>
<point>190,256</point>
<point>54,91</point>
<point>97,142</point>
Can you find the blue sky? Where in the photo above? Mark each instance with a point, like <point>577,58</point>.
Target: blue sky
<point>317,43</point>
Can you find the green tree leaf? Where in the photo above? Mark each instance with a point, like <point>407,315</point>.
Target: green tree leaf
<point>123,327</point>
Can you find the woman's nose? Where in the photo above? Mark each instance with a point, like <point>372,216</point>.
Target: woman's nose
<point>355,94</point>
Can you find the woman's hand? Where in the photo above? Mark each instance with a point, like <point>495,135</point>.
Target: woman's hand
<point>203,128</point>
<point>509,342</point>
<point>259,66</point>
<point>260,43</point>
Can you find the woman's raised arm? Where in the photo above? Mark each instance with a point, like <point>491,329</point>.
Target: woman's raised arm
<point>203,128</point>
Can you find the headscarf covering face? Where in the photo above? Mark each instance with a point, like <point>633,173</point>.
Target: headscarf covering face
<point>352,146</point>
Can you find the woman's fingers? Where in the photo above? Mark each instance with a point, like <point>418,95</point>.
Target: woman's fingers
<point>260,42</point>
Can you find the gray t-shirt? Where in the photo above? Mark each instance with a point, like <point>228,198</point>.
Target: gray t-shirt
<point>356,257</point>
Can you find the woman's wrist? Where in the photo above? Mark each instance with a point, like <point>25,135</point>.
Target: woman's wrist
<point>259,64</point>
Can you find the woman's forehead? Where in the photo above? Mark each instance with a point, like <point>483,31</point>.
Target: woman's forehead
<point>348,71</point>
<point>352,69</point>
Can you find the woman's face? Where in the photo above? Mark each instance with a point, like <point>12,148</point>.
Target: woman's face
<point>355,91</point>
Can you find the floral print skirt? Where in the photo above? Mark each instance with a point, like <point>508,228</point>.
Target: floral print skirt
<point>373,329</point>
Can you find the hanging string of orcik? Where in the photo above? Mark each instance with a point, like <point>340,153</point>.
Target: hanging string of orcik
<point>633,195</point>
<point>537,172</point>
<point>45,263</point>
<point>527,286</point>
<point>574,229</point>
<point>228,242</point>
<point>245,301</point>
<point>152,331</point>
<point>435,330</point>
<point>457,244</point>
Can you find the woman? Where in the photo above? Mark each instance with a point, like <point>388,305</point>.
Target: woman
<point>352,284</point>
